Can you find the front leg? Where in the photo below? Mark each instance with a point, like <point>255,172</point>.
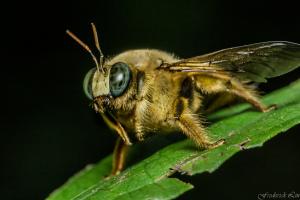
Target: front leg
<point>119,157</point>
<point>121,146</point>
<point>117,126</point>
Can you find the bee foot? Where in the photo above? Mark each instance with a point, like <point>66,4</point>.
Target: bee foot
<point>270,108</point>
<point>216,144</point>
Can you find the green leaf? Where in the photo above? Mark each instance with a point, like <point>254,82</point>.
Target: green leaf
<point>241,126</point>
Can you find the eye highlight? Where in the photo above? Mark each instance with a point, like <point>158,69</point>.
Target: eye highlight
<point>87,83</point>
<point>119,78</point>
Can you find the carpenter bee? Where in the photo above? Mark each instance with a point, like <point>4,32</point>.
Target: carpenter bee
<point>146,91</point>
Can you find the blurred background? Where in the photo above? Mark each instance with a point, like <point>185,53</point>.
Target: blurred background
<point>49,131</point>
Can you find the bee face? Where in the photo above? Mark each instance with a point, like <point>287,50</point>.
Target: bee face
<point>104,86</point>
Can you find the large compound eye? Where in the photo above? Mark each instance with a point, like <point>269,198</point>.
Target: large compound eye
<point>87,83</point>
<point>119,78</point>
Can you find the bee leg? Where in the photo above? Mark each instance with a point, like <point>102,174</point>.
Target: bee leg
<point>142,110</point>
<point>191,126</point>
<point>139,128</point>
<point>237,88</point>
<point>216,83</point>
<point>119,157</point>
<point>115,125</point>
<point>121,146</point>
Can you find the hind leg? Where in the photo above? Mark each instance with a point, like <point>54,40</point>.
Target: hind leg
<point>211,84</point>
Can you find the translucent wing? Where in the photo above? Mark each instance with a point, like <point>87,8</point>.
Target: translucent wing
<point>254,62</point>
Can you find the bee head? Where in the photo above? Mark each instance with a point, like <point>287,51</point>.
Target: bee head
<point>104,82</point>
<point>115,84</point>
<point>103,86</point>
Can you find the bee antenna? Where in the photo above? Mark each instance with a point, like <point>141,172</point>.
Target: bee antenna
<point>101,60</point>
<point>86,47</point>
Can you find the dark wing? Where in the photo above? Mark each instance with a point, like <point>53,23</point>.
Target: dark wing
<point>254,62</point>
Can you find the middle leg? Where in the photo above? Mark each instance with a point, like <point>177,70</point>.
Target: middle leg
<point>191,125</point>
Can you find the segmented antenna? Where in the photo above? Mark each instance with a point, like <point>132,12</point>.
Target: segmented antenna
<point>99,64</point>
<point>101,60</point>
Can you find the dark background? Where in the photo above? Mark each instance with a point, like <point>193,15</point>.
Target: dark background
<point>48,131</point>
